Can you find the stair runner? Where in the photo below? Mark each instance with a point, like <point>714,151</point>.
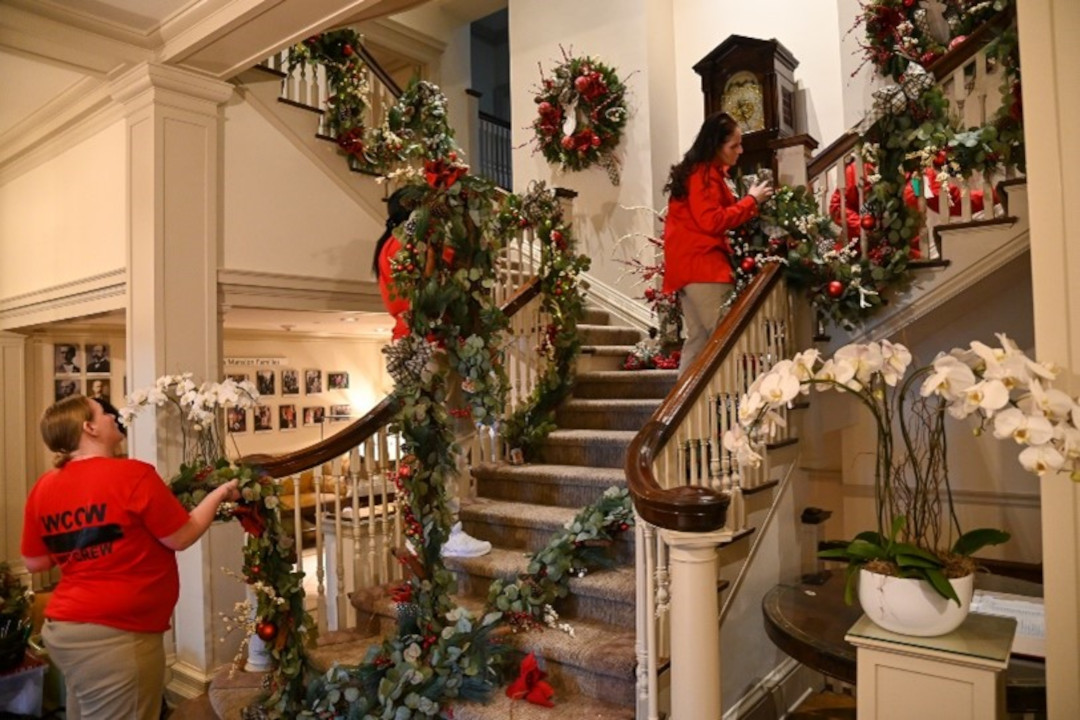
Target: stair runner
<point>518,509</point>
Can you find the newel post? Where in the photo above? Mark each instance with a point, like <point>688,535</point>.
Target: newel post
<point>695,626</point>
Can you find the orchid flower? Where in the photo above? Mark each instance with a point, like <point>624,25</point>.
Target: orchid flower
<point>1024,429</point>
<point>949,379</point>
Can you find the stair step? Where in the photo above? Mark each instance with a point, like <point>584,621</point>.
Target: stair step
<point>606,413</point>
<point>605,595</point>
<point>596,316</point>
<point>608,334</point>
<point>602,357</point>
<point>599,661</point>
<point>527,528</point>
<point>625,384</point>
<point>573,707</point>
<point>563,485</point>
<point>593,448</point>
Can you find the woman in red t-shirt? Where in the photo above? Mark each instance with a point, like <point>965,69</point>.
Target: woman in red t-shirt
<point>701,211</point>
<point>113,527</point>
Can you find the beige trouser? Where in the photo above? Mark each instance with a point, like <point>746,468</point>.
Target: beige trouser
<point>110,674</point>
<point>701,304</point>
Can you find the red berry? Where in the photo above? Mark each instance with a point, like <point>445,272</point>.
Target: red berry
<point>836,289</point>
<point>347,50</point>
<point>748,264</point>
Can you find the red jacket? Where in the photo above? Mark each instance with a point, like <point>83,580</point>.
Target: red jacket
<point>696,246</point>
<point>395,305</point>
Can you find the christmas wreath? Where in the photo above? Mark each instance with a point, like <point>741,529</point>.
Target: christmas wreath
<point>581,113</point>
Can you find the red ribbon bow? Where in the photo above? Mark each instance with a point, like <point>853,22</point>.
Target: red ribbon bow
<point>250,519</point>
<point>530,684</point>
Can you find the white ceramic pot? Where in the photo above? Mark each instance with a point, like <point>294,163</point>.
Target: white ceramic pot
<point>911,606</point>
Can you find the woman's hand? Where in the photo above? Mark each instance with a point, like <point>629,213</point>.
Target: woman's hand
<point>761,192</point>
<point>232,491</point>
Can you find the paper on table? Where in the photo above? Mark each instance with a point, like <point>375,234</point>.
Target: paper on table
<point>1030,619</point>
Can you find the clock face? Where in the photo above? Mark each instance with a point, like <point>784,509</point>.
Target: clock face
<point>742,99</point>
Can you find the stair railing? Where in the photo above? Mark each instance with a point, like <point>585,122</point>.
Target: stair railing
<point>687,493</point>
<point>971,80</point>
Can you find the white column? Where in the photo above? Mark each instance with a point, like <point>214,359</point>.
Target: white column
<point>695,627</point>
<point>174,160</point>
<point>16,476</point>
<point>1050,56</point>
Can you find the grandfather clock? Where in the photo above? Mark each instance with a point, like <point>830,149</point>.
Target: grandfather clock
<point>753,81</point>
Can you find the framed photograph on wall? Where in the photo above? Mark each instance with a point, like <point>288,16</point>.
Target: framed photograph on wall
<point>97,358</point>
<point>340,413</point>
<point>314,415</point>
<point>264,418</point>
<point>238,377</point>
<point>337,380</point>
<point>312,382</point>
<point>265,382</point>
<point>236,419</point>
<point>286,417</point>
<point>65,387</point>
<point>98,388</point>
<point>290,382</point>
<point>68,359</point>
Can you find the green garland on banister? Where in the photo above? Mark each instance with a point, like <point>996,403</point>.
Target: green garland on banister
<point>583,545</point>
<point>562,300</point>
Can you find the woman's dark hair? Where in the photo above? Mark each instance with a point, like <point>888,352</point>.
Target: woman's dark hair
<point>715,131</point>
<point>398,209</point>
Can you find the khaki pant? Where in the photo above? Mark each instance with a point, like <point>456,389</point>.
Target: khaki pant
<point>701,314</point>
<point>110,674</point>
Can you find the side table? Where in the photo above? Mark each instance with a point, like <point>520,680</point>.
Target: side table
<point>957,675</point>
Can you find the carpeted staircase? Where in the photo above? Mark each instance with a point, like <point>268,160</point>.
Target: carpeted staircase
<point>518,509</point>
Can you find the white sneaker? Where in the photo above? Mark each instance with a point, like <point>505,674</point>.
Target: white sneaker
<point>462,545</point>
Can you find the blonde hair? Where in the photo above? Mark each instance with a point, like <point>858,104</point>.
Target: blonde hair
<point>62,426</point>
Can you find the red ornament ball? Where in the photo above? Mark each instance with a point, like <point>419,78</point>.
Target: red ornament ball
<point>748,264</point>
<point>941,158</point>
<point>581,83</point>
<point>835,289</point>
<point>909,3</point>
<point>347,50</point>
<point>556,236</point>
<point>266,631</point>
<point>928,58</point>
<point>958,40</point>
<point>868,222</point>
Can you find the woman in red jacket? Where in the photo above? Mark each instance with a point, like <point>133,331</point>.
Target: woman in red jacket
<point>701,211</point>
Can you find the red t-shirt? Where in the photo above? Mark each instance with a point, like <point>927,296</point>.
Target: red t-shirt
<point>99,519</point>
<point>696,245</point>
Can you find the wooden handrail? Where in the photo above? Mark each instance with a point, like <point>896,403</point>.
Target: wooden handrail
<point>974,42</point>
<point>835,150</point>
<point>691,508</point>
<point>352,435</point>
<point>377,71</point>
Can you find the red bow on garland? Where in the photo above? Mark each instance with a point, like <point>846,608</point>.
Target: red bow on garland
<point>530,684</point>
<point>250,519</point>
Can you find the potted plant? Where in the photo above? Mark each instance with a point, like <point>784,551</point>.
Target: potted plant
<point>918,539</point>
<point>15,602</point>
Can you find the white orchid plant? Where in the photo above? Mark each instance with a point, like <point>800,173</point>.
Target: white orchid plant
<point>200,408</point>
<point>1007,392</point>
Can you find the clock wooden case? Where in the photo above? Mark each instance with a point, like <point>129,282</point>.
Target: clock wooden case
<point>753,81</point>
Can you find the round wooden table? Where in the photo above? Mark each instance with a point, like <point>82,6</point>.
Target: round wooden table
<point>808,622</point>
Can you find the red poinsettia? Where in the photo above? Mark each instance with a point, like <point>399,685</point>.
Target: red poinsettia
<point>441,174</point>
<point>253,523</point>
<point>530,684</point>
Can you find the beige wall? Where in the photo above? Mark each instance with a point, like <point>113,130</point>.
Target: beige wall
<point>282,213</point>
<point>65,218</point>
<point>362,359</point>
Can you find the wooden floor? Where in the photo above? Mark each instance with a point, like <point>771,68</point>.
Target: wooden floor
<point>197,708</point>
